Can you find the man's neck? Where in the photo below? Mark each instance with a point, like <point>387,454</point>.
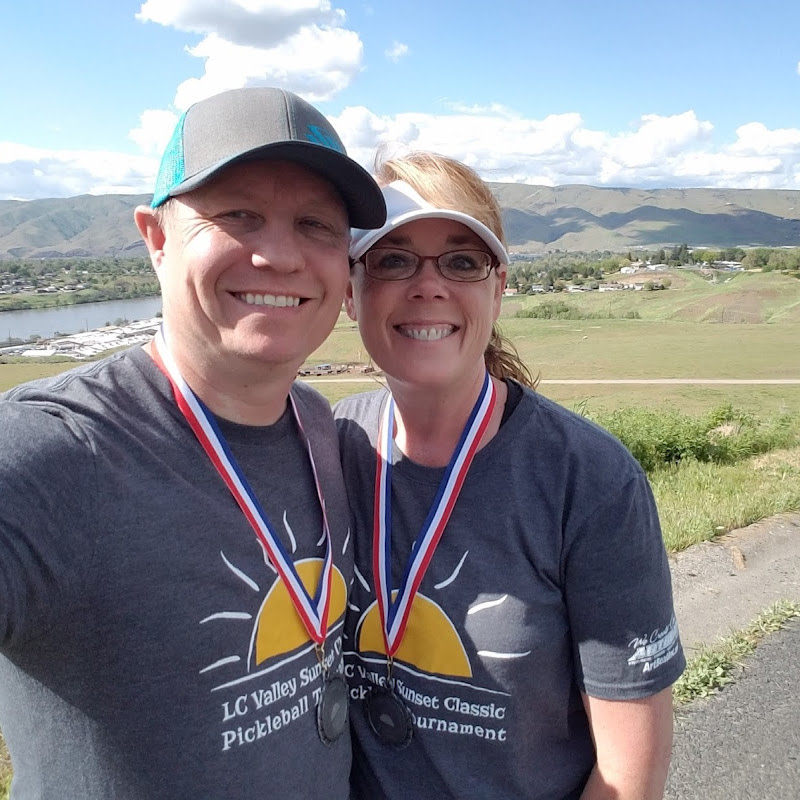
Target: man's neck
<point>256,396</point>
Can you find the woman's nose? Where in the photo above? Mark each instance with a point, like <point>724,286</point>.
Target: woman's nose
<point>428,281</point>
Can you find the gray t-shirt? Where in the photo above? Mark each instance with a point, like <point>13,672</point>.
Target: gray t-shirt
<point>551,578</point>
<point>147,647</point>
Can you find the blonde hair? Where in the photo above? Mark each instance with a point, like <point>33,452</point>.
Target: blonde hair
<point>447,183</point>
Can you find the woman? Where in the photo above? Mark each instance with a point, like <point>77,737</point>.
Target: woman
<point>511,629</point>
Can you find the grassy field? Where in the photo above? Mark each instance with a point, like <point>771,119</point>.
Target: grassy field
<point>745,328</point>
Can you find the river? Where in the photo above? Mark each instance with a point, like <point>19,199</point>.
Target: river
<point>48,322</point>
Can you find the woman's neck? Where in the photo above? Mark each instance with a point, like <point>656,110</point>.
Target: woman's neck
<point>429,422</point>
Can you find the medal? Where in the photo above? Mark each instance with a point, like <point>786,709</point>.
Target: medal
<point>332,709</point>
<point>313,611</point>
<point>388,715</point>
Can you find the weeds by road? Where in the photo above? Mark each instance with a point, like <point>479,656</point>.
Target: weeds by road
<point>714,665</point>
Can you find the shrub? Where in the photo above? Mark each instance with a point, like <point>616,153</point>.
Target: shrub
<point>723,436</point>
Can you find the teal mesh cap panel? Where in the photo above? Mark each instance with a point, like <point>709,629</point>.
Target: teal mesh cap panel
<point>171,169</point>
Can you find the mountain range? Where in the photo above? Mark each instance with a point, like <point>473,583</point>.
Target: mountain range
<point>537,219</point>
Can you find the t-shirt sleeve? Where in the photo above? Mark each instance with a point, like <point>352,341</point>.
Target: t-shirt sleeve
<point>619,598</point>
<point>48,488</point>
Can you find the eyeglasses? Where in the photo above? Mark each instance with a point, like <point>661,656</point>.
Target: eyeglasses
<point>394,264</point>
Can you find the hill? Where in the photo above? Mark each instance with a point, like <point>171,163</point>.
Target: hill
<point>84,226</point>
<point>537,219</point>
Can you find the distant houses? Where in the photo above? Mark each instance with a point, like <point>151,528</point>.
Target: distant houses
<point>88,344</point>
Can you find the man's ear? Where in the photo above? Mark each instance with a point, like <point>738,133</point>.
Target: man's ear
<point>152,232</point>
<point>349,302</point>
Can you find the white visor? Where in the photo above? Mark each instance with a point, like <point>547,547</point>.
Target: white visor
<point>404,205</point>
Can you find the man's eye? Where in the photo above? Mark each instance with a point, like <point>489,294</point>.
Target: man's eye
<point>329,229</point>
<point>238,214</point>
<point>316,224</point>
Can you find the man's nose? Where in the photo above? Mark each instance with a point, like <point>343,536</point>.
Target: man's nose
<point>276,249</point>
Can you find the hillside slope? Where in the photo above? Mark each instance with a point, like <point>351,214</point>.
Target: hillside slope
<point>537,219</point>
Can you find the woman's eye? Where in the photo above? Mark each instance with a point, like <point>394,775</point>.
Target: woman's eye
<point>394,261</point>
<point>462,263</point>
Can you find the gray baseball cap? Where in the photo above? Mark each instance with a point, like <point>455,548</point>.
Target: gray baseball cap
<point>264,123</point>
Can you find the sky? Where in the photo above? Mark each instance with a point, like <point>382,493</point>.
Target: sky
<point>683,94</point>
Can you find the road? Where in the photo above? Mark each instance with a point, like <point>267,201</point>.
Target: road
<point>744,742</point>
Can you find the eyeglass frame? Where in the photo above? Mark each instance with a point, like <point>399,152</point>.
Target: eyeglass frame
<point>493,263</point>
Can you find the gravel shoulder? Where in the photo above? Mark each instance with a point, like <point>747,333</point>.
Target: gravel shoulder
<point>722,586</point>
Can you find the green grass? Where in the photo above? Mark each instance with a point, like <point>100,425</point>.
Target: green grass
<point>698,502</point>
<point>715,665</point>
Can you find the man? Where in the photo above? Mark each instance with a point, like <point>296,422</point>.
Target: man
<point>174,546</point>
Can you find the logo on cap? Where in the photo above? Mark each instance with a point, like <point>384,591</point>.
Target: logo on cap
<point>319,136</point>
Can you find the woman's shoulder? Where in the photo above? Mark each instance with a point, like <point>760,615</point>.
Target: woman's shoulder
<point>361,406</point>
<point>577,437</point>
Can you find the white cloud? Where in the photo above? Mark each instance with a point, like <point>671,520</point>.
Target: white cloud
<point>296,44</point>
<point>257,23</point>
<point>316,63</point>
<point>676,150</point>
<point>396,51</point>
<point>502,145</point>
<point>28,172</point>
<point>155,128</point>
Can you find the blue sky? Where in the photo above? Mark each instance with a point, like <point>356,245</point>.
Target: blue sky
<point>679,94</point>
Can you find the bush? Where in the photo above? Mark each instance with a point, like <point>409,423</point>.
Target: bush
<point>723,436</point>
<point>551,309</point>
<point>558,309</point>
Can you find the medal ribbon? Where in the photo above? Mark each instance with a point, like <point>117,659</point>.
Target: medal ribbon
<point>394,614</point>
<point>313,612</point>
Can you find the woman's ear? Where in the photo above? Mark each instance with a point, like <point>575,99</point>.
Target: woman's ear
<point>349,302</point>
<point>500,288</point>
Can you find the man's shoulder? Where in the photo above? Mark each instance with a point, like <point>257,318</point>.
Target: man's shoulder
<point>84,379</point>
<point>307,397</point>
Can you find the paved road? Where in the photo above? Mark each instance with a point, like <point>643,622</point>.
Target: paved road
<point>744,742</point>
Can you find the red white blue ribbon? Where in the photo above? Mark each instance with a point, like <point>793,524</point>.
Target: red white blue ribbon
<point>312,611</point>
<point>394,613</point>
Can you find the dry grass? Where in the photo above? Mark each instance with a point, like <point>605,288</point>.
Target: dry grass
<point>5,771</point>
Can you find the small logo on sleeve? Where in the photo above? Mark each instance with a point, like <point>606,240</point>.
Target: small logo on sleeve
<point>655,649</point>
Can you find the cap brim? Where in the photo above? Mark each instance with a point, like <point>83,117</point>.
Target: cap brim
<point>366,207</point>
<point>365,240</point>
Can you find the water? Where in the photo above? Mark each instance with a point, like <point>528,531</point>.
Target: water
<point>47,322</point>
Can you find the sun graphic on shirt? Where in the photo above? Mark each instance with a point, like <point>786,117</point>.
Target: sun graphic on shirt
<point>275,633</point>
<point>279,628</point>
<point>431,641</point>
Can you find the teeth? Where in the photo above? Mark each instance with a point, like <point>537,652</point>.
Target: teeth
<point>427,334</point>
<point>276,300</point>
